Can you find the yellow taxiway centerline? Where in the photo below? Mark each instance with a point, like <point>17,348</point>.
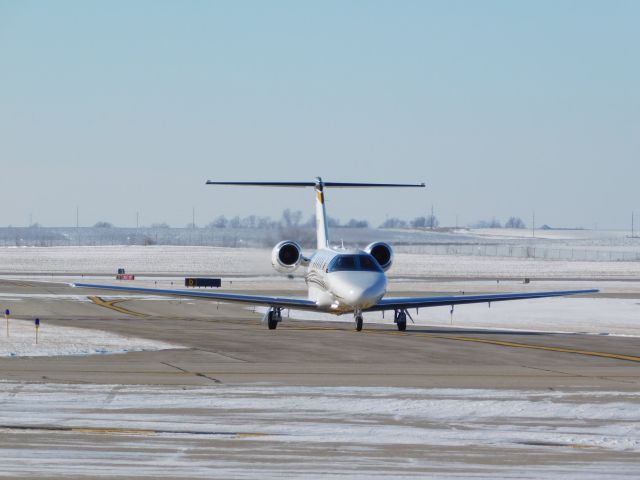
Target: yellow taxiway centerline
<point>111,304</point>
<point>500,343</point>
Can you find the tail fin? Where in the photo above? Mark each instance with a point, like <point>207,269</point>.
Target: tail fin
<point>322,232</point>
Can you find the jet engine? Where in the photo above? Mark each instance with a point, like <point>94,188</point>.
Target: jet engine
<point>382,252</point>
<point>286,256</point>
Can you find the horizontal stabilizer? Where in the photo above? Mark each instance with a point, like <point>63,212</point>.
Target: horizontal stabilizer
<point>319,185</point>
<point>313,184</point>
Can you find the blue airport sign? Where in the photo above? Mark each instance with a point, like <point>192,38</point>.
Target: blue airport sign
<point>37,322</point>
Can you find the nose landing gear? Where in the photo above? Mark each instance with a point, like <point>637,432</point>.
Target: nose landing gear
<point>358,320</point>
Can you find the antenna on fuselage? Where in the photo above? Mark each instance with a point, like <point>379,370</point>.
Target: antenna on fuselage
<point>322,234</point>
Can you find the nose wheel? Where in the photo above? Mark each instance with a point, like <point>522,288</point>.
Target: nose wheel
<point>359,321</point>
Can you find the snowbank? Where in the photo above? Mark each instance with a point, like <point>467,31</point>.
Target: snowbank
<point>57,340</point>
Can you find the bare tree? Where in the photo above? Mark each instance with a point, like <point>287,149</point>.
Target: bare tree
<point>249,222</point>
<point>393,222</point>
<point>219,222</point>
<point>353,223</point>
<point>291,227</point>
<point>103,225</point>
<point>430,221</point>
<point>333,222</point>
<point>515,222</point>
<point>419,222</point>
<point>493,223</point>
<point>265,222</point>
<point>235,222</point>
<point>291,218</point>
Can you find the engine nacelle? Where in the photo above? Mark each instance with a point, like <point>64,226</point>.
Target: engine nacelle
<point>286,256</point>
<point>382,252</point>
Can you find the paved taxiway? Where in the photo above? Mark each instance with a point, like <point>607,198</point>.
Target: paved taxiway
<point>228,343</point>
<point>226,346</point>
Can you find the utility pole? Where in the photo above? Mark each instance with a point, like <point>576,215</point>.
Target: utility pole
<point>533,225</point>
<point>78,223</point>
<point>193,218</point>
<point>632,225</point>
<point>137,220</point>
<point>432,220</point>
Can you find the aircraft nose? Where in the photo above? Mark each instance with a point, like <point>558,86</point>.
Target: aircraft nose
<point>364,295</point>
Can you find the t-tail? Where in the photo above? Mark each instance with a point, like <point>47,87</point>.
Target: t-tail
<point>322,232</point>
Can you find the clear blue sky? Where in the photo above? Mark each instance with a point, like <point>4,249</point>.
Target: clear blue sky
<point>502,107</point>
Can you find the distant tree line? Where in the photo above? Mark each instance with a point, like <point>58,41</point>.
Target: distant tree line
<point>432,222</point>
<point>429,221</point>
<point>512,222</point>
<point>289,219</point>
<point>292,220</point>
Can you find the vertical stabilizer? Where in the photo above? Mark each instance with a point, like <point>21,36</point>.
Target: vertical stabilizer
<point>322,232</point>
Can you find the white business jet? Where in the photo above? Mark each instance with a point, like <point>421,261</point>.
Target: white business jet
<point>339,280</point>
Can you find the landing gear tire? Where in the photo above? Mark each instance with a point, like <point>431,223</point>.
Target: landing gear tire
<point>272,321</point>
<point>358,323</point>
<point>401,320</point>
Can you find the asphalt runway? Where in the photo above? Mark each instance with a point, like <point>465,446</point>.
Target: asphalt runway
<point>226,347</point>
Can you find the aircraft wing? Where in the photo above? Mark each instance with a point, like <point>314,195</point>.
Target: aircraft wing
<point>402,303</point>
<point>283,302</point>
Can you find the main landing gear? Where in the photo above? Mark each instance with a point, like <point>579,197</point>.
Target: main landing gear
<point>358,319</point>
<point>400,319</point>
<point>272,317</point>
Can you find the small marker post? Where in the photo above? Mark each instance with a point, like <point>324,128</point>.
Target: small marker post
<point>7,312</point>
<point>37,322</point>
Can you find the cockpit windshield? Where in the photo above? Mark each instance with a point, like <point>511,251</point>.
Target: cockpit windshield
<point>367,262</point>
<point>353,263</point>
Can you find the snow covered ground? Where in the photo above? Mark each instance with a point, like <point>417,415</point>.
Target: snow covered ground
<point>594,236</point>
<point>241,261</point>
<point>443,266</point>
<point>58,340</point>
<point>136,259</point>
<point>316,432</point>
